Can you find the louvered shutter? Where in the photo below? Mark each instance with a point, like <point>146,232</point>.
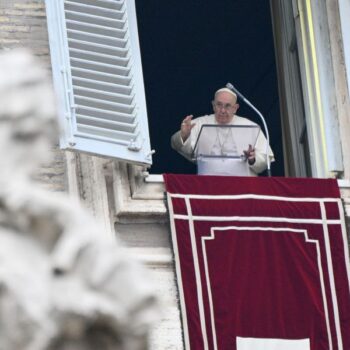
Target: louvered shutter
<point>97,73</point>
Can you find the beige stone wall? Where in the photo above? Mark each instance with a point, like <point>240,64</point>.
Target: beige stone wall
<point>340,81</point>
<point>345,194</point>
<point>23,24</point>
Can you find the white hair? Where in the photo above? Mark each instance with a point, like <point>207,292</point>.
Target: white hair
<point>225,90</point>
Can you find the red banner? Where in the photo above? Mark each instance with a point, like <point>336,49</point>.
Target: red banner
<point>262,263</point>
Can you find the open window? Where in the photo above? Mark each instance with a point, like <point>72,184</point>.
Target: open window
<point>99,79</point>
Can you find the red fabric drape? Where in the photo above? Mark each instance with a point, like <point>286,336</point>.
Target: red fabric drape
<point>260,258</point>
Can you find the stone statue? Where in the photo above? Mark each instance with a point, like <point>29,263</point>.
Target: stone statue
<point>64,284</point>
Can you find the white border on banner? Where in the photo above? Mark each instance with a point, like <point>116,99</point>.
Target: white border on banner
<point>276,229</point>
<point>178,274</point>
<point>272,344</point>
<point>191,219</point>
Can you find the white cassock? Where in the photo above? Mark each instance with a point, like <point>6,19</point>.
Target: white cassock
<point>223,143</point>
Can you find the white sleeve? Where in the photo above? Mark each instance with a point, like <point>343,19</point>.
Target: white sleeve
<point>184,148</point>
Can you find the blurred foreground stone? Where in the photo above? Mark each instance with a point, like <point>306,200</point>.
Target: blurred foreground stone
<point>64,283</point>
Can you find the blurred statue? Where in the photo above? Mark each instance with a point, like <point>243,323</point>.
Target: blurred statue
<point>64,284</point>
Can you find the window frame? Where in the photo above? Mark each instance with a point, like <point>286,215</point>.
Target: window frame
<point>317,78</point>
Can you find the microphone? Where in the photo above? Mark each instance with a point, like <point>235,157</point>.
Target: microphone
<point>231,87</point>
<point>246,101</point>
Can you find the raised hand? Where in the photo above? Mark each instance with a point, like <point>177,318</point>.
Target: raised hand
<point>186,127</point>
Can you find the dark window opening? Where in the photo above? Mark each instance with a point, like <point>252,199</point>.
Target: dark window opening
<point>190,49</point>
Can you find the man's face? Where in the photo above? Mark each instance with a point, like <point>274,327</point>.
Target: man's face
<point>225,107</point>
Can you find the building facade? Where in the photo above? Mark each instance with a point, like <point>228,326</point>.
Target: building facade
<point>312,50</point>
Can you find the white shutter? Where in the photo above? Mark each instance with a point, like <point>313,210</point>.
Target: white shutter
<point>97,73</point>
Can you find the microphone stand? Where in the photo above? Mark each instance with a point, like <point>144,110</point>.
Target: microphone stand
<point>268,163</point>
